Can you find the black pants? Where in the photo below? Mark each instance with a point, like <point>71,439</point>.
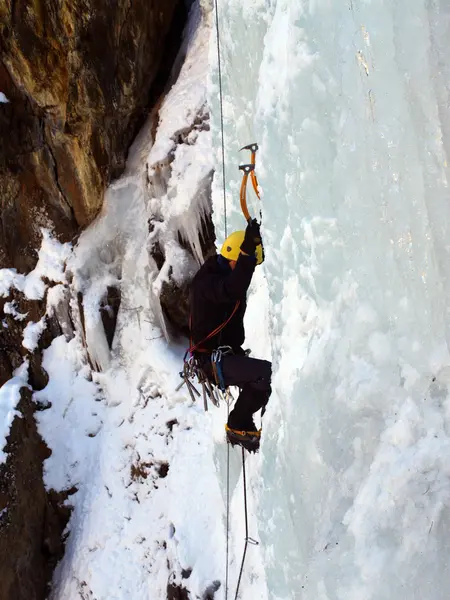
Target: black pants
<point>253,377</point>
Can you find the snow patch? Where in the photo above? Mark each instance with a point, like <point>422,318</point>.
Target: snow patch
<point>51,264</point>
<point>72,416</point>
<point>10,308</point>
<point>9,398</point>
<point>32,333</point>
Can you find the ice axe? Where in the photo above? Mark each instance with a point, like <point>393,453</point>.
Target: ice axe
<point>248,169</point>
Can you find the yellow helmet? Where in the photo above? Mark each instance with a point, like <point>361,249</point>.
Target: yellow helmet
<point>232,247</point>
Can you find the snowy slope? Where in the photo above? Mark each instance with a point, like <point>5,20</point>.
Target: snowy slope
<point>148,507</point>
<point>50,266</point>
<point>349,101</point>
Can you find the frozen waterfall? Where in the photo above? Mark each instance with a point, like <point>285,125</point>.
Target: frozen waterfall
<point>349,101</point>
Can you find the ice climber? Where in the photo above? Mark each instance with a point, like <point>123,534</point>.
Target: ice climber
<point>218,303</point>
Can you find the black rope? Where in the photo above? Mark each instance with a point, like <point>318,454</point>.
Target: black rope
<point>247,538</point>
<point>226,235</point>
<point>246,527</point>
<point>228,507</point>
<point>221,118</point>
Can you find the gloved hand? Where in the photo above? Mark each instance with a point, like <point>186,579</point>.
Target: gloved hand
<point>252,238</point>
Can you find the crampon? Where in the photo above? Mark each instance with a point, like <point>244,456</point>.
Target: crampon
<point>249,440</point>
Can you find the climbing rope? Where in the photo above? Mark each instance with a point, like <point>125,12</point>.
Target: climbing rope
<point>221,118</point>
<point>226,235</point>
<point>248,170</point>
<point>228,507</point>
<point>248,540</point>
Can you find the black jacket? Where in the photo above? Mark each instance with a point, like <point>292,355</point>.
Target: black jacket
<point>213,296</point>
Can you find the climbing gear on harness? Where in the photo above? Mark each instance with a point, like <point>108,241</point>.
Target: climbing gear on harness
<point>192,369</point>
<point>249,440</point>
<point>231,247</point>
<point>216,364</point>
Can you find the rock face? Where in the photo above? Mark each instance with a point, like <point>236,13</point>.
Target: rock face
<point>80,77</point>
<point>31,526</point>
<point>32,520</point>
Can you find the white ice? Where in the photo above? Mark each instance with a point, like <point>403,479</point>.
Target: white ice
<point>349,101</point>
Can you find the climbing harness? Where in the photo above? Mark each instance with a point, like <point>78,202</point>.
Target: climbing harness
<point>197,347</point>
<point>192,369</point>
<point>248,169</point>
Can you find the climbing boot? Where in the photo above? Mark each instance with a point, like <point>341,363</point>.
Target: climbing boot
<point>249,440</point>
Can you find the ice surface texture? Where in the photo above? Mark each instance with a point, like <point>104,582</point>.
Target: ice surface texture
<point>349,101</point>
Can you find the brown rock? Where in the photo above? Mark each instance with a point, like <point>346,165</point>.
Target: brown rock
<point>109,310</point>
<point>12,352</point>
<point>177,592</point>
<point>79,77</point>
<point>31,525</point>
